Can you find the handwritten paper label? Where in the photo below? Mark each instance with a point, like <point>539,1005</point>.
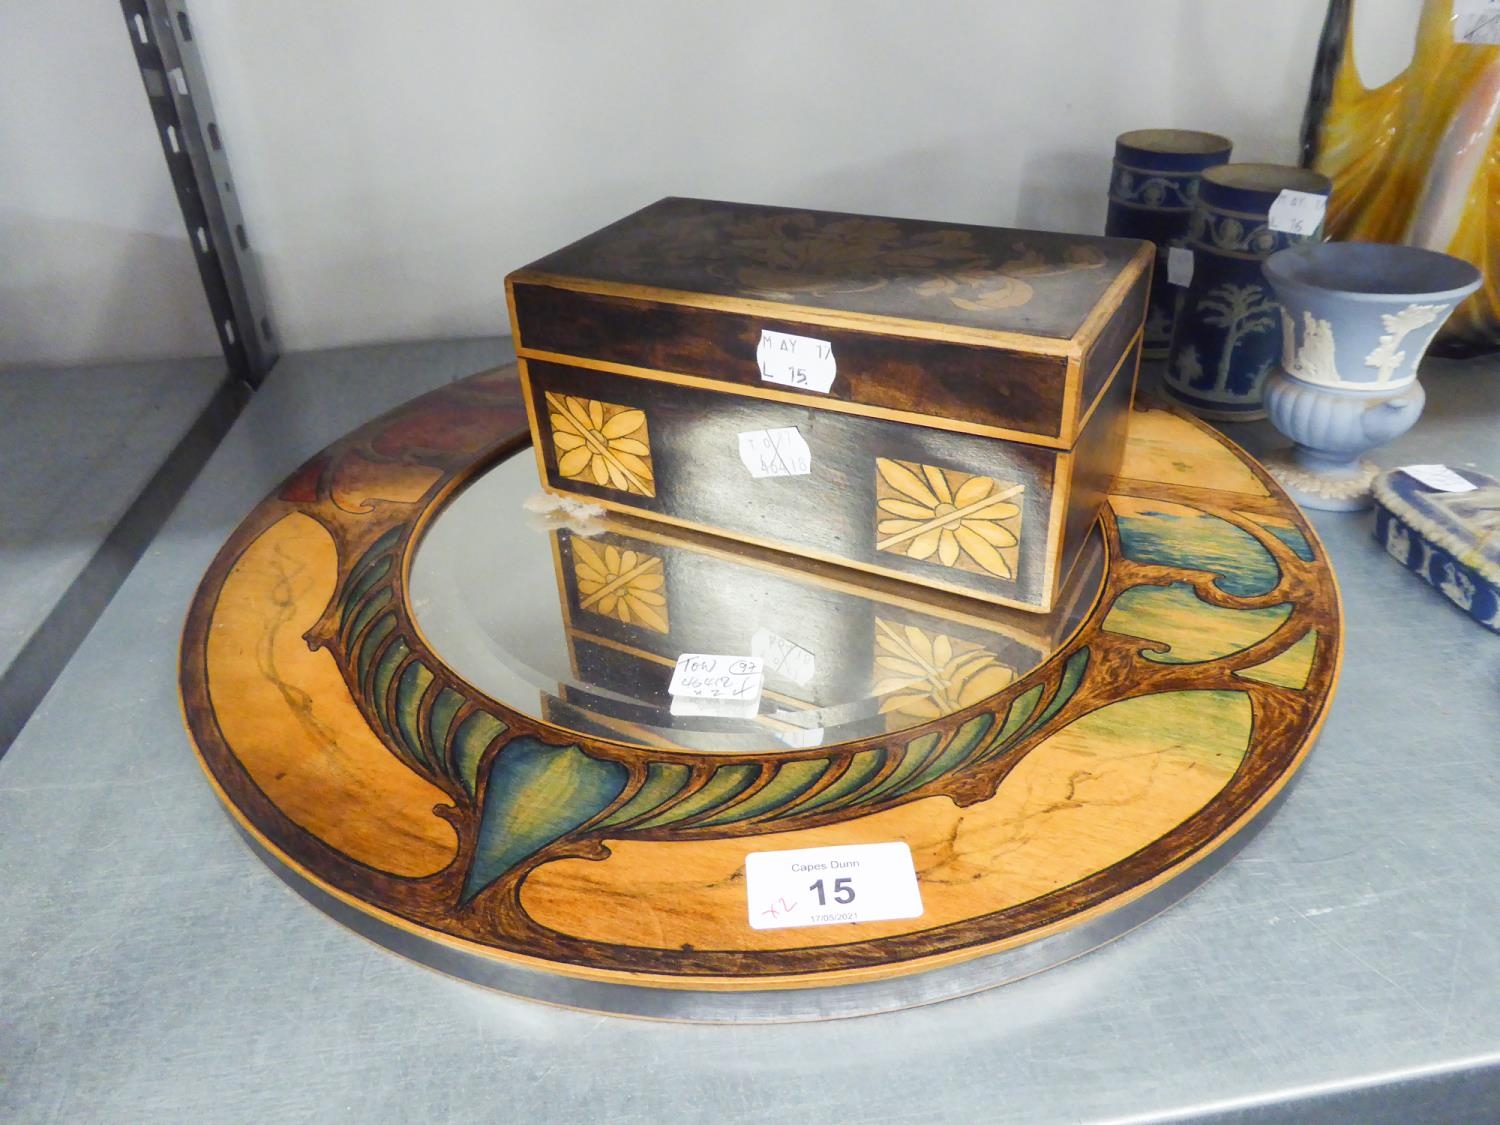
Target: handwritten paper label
<point>1297,212</point>
<point>1179,266</point>
<point>824,886</point>
<point>725,687</point>
<point>1476,21</point>
<point>775,453</point>
<point>796,361</point>
<point>783,658</point>
<point>1439,477</point>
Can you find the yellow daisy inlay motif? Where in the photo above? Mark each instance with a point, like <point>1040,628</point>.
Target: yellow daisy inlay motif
<point>601,443</point>
<point>625,585</point>
<point>929,675</point>
<point>958,519</point>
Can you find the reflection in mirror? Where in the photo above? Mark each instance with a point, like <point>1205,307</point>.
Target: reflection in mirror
<point>580,624</point>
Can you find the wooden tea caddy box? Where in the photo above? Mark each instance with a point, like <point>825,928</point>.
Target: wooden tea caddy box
<point>958,394</point>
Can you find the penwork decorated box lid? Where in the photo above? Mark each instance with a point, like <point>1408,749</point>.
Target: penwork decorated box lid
<point>984,329</point>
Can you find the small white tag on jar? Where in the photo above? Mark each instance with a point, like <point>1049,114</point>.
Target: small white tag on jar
<point>1179,266</point>
<point>796,361</point>
<point>1297,212</point>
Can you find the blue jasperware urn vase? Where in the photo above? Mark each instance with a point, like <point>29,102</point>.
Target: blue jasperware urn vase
<point>1152,190</point>
<point>1357,319</point>
<point>1226,333</point>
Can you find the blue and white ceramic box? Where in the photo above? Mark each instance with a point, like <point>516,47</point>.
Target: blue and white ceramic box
<point>1451,540</point>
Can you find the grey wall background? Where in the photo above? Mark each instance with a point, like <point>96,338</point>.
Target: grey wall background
<point>94,261</point>
<point>396,159</point>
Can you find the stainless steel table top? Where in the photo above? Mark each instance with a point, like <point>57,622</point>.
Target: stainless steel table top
<point>1347,963</point>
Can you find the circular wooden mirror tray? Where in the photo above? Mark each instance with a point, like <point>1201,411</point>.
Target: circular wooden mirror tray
<point>1045,817</point>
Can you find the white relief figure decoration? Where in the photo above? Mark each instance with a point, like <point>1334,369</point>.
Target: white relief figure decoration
<point>1188,367</point>
<point>1313,360</point>
<point>1398,326</point>
<point>1458,586</point>
<point>1242,309</point>
<point>1424,560</point>
<point>1398,542</point>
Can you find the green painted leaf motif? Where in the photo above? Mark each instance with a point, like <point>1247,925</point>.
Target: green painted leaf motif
<point>410,689</point>
<point>365,577</point>
<point>727,783</point>
<point>1072,676</point>
<point>536,795</point>
<point>664,780</point>
<point>865,766</point>
<point>379,603</point>
<point>792,780</point>
<point>1021,709</point>
<point>440,724</point>
<point>959,750</point>
<point>380,683</point>
<point>372,568</point>
<point>916,754</point>
<point>470,741</point>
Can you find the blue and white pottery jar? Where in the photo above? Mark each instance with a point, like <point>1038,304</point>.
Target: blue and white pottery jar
<point>1357,319</point>
<point>1152,190</point>
<point>1226,333</point>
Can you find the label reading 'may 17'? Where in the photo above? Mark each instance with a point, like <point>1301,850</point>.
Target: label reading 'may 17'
<point>796,361</point>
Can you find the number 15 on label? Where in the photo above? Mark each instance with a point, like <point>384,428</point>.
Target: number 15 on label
<point>826,886</point>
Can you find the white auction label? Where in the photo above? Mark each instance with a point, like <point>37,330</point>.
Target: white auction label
<point>796,361</point>
<point>1476,21</point>
<point>1179,266</point>
<point>775,453</point>
<point>725,687</point>
<point>1439,477</point>
<point>824,886</point>
<point>783,657</point>
<point>1297,212</point>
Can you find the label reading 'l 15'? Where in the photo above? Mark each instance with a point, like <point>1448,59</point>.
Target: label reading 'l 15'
<point>796,361</point>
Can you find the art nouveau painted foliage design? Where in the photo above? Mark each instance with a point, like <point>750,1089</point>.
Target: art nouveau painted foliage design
<point>350,751</point>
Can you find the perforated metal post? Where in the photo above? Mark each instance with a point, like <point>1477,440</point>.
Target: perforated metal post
<point>172,70</point>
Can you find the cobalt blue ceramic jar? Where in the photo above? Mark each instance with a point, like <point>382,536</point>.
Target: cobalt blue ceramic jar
<point>1151,194</point>
<point>1226,334</point>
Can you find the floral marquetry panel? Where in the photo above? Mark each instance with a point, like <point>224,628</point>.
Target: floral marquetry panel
<point>626,585</point>
<point>602,443</point>
<point>949,517</point>
<point>923,674</point>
